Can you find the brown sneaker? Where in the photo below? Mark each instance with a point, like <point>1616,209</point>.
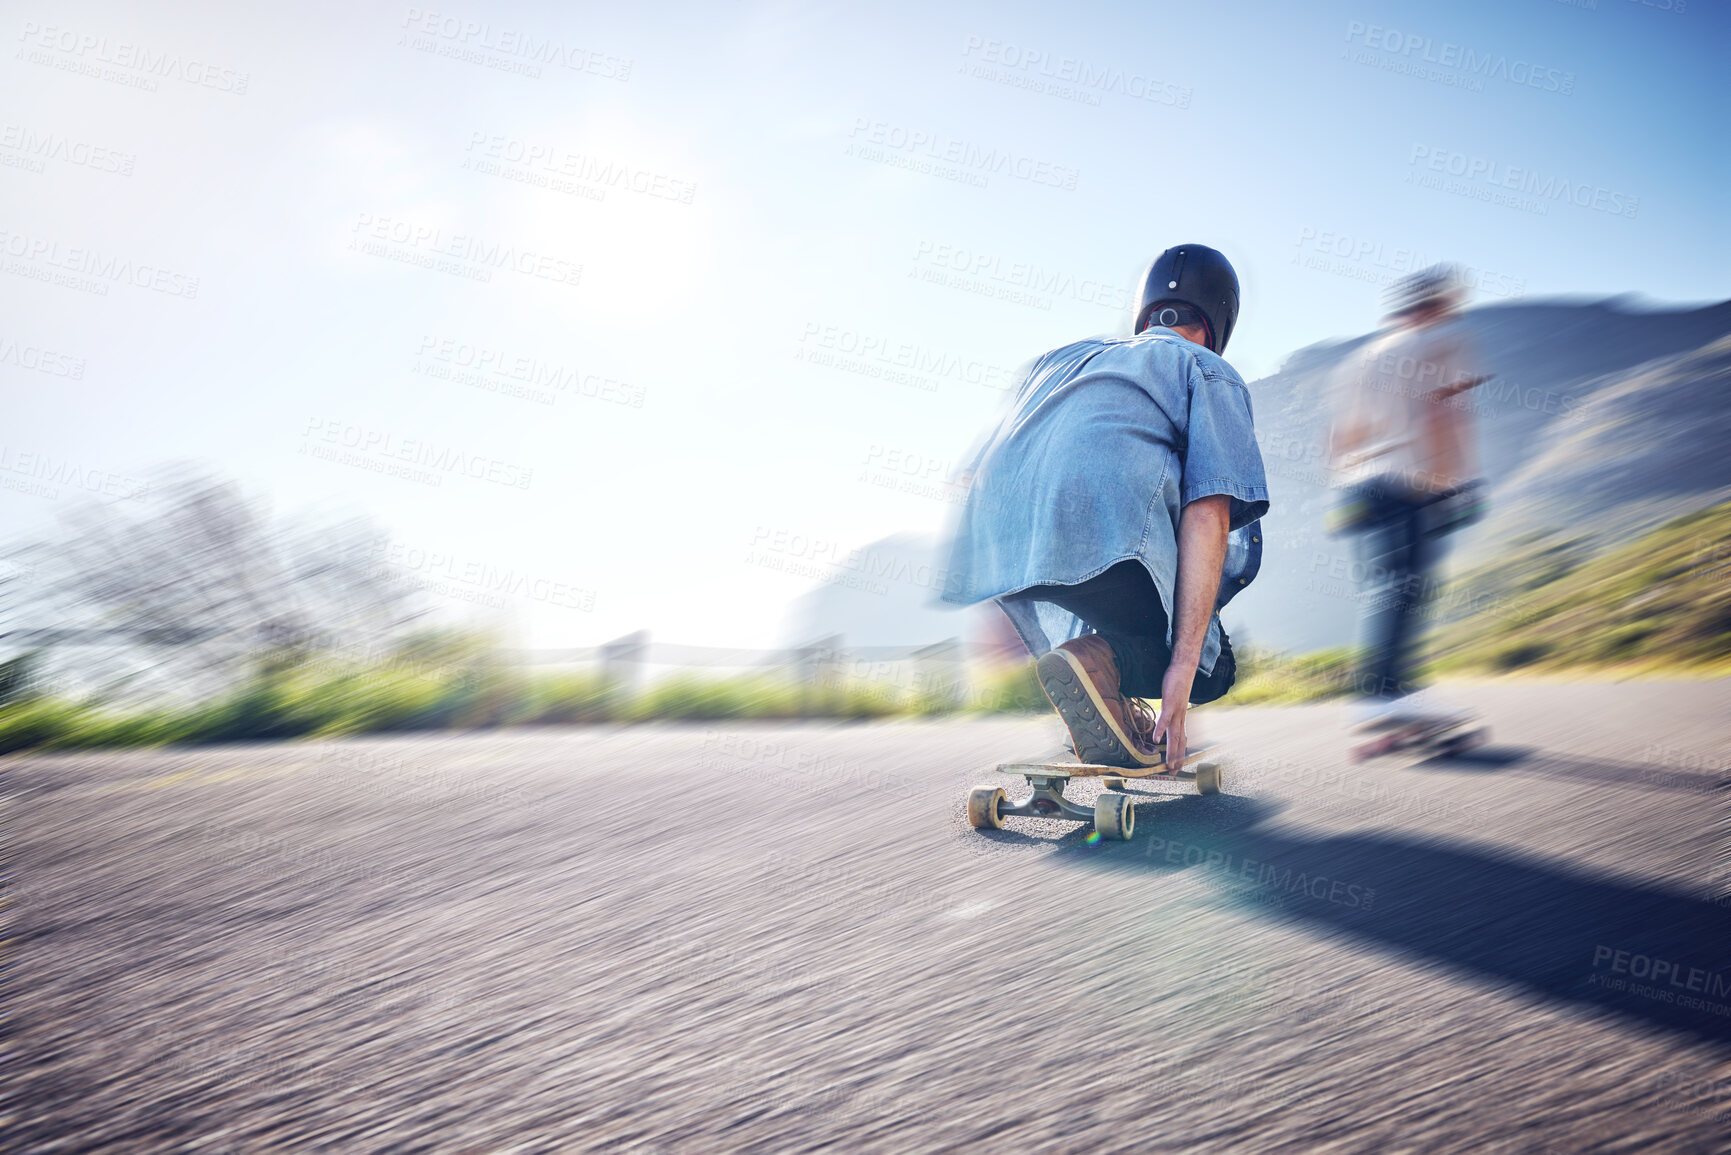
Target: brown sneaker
<point>1108,729</point>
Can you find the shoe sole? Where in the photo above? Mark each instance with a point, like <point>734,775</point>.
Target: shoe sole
<point>1094,734</point>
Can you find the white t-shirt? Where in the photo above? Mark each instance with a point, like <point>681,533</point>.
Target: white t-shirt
<point>1388,423</point>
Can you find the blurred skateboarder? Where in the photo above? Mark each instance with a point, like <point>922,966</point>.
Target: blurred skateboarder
<point>1107,504</point>
<point>1402,448</point>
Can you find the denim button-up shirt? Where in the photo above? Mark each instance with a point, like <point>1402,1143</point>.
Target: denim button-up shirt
<point>1106,441</point>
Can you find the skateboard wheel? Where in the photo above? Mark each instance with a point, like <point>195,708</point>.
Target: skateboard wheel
<point>1112,782</point>
<point>985,805</point>
<point>1209,778</point>
<point>1115,816</point>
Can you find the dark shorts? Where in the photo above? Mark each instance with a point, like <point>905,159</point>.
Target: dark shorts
<point>1122,606</point>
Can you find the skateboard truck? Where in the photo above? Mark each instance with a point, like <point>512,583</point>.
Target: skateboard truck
<point>1114,812</point>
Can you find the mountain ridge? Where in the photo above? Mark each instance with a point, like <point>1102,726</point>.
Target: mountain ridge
<point>1589,395</point>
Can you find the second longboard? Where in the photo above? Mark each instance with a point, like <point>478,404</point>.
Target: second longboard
<point>1449,737</point>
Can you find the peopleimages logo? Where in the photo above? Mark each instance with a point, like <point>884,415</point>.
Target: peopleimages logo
<point>899,362</point>
<point>498,370</point>
<point>44,467</point>
<point>868,563</point>
<point>1367,259</point>
<point>442,572</point>
<point>1485,179</point>
<point>83,52</point>
<point>40,146</point>
<point>1666,979</point>
<point>1485,66</point>
<point>41,360</point>
<point>423,245</point>
<point>1087,78</point>
<point>982,266</point>
<point>468,39</point>
<point>881,140</point>
<point>551,160</point>
<point>41,255</point>
<point>351,444</point>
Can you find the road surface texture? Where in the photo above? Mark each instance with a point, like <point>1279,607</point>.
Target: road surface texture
<point>702,939</point>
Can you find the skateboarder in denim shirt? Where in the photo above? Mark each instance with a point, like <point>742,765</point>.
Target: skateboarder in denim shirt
<point>1114,510</point>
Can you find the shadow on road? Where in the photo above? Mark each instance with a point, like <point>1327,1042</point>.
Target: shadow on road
<point>1483,760</point>
<point>1493,759</point>
<point>1659,955</point>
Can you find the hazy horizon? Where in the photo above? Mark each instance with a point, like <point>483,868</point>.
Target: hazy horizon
<point>617,300</point>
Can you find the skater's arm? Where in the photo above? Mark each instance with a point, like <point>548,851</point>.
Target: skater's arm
<point>1459,387</point>
<point>1202,529</point>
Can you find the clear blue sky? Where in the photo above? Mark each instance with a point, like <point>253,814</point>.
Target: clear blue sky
<point>1286,135</point>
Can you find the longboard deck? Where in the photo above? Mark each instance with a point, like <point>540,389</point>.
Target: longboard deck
<point>1094,770</point>
<point>1418,726</point>
<point>1454,735</point>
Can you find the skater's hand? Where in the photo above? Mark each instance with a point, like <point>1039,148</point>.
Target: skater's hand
<point>1174,701</point>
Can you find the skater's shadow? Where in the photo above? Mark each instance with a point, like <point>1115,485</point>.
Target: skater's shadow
<point>1660,955</point>
<point>1480,759</point>
<point>1528,762</point>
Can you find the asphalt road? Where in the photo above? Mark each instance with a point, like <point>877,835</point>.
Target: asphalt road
<point>703,939</point>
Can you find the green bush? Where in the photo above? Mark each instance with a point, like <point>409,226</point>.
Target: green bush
<point>1014,691</point>
<point>567,699</point>
<point>1658,603</point>
<point>1520,654</point>
<point>690,697</point>
<point>1266,678</point>
<point>38,722</point>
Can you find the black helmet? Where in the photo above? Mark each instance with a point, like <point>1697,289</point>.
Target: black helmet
<point>1194,275</point>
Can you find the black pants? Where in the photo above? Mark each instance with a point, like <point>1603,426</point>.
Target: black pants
<point>1122,606</point>
<point>1398,549</point>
